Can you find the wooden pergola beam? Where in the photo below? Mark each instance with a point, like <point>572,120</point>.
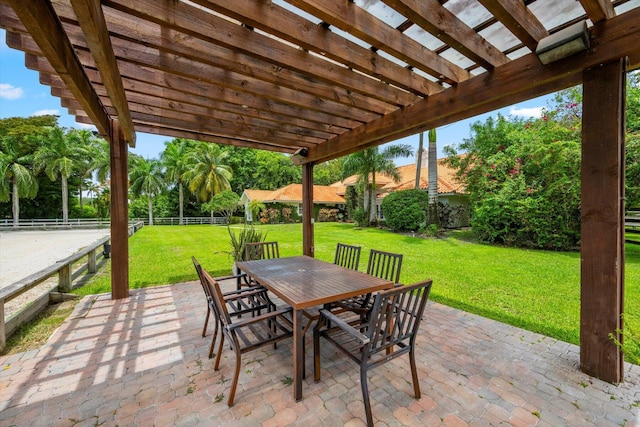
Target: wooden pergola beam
<point>94,27</point>
<point>350,18</point>
<point>436,19</point>
<point>506,85</point>
<point>289,26</point>
<point>598,10</point>
<point>40,19</point>
<point>518,19</point>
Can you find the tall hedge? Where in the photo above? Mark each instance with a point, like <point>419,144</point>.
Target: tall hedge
<point>406,210</point>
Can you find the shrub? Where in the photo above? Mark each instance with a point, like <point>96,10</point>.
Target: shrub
<point>327,215</point>
<point>405,210</point>
<point>359,217</point>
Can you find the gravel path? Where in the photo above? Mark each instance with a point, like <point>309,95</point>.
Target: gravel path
<point>23,253</point>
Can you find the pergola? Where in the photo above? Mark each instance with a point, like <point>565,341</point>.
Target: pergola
<point>320,79</point>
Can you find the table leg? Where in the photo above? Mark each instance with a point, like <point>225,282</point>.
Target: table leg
<point>298,337</point>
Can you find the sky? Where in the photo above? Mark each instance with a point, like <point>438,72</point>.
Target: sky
<point>22,95</point>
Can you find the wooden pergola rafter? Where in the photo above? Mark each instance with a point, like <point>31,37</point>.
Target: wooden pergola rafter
<point>326,78</point>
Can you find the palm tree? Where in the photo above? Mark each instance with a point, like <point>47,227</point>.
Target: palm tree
<point>85,139</point>
<point>208,175</point>
<point>433,179</point>
<point>59,156</point>
<point>177,161</point>
<point>146,178</point>
<point>367,163</point>
<point>17,179</point>
<point>102,160</point>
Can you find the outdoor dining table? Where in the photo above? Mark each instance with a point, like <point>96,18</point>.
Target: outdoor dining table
<point>303,282</point>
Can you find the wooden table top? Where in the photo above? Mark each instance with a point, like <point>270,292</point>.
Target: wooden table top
<point>303,281</point>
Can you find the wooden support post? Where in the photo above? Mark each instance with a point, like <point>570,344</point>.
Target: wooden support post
<point>64,279</point>
<point>91,262</point>
<point>602,221</point>
<point>3,327</point>
<point>119,214</point>
<point>307,209</point>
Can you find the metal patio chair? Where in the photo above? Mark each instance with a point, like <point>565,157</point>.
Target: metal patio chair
<point>245,333</point>
<point>387,333</point>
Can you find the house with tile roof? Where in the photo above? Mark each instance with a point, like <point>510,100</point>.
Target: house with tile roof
<point>325,196</point>
<point>451,192</point>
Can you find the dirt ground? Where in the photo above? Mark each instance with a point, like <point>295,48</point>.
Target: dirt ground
<point>23,253</point>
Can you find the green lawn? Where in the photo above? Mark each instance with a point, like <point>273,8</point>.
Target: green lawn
<point>535,290</point>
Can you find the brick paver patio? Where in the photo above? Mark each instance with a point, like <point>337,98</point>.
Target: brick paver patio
<point>142,361</point>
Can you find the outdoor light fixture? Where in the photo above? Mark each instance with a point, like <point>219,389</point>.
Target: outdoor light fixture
<point>302,152</point>
<point>564,43</point>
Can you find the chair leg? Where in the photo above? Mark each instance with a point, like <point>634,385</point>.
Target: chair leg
<point>234,384</point>
<point>414,373</point>
<point>316,356</point>
<point>206,322</point>
<point>365,396</point>
<point>216,365</point>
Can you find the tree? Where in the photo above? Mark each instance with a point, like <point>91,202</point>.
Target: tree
<point>59,157</point>
<point>19,138</point>
<point>327,173</point>
<point>17,178</point>
<point>275,170</point>
<point>434,216</point>
<point>209,175</point>
<point>87,141</point>
<point>177,161</point>
<point>225,202</point>
<point>101,162</point>
<point>146,179</point>
<point>367,163</point>
<point>523,178</point>
<point>255,206</point>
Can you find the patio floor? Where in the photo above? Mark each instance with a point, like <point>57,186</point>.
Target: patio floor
<point>142,361</point>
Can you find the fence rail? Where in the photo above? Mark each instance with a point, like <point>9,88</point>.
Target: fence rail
<point>192,220</point>
<point>66,276</point>
<point>55,223</point>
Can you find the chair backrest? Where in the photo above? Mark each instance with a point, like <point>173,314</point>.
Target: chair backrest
<point>198,267</point>
<point>261,250</point>
<point>220,308</point>
<point>347,256</point>
<point>395,317</point>
<point>385,265</point>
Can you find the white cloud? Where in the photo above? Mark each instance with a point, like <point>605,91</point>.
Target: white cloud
<point>86,126</point>
<point>10,92</point>
<point>46,113</point>
<point>535,112</point>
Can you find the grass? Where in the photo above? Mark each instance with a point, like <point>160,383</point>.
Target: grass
<point>34,334</point>
<point>531,289</point>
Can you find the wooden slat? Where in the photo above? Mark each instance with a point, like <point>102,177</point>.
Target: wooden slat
<point>91,19</point>
<point>41,21</point>
<point>439,21</point>
<point>177,53</point>
<point>505,86</point>
<point>518,19</point>
<point>289,26</point>
<point>345,15</point>
<point>193,21</point>
<point>598,10</point>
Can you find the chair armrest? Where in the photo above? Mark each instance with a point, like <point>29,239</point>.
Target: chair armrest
<point>335,320</point>
<point>242,293</point>
<point>245,321</point>
<point>231,276</point>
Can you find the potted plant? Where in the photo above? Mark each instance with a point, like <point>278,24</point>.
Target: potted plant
<point>238,241</point>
